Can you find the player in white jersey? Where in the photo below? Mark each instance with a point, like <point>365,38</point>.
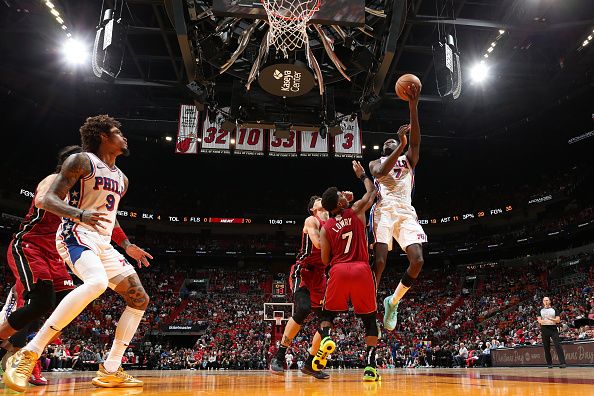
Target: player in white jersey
<point>393,216</point>
<point>94,187</point>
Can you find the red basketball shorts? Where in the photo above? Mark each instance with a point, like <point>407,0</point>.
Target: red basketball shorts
<point>30,263</point>
<point>352,282</point>
<point>312,279</point>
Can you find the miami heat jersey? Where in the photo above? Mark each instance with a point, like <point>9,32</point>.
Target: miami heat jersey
<point>309,255</point>
<point>348,241</point>
<point>397,185</point>
<point>39,228</point>
<point>100,191</point>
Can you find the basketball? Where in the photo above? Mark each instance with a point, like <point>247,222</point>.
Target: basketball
<point>403,82</point>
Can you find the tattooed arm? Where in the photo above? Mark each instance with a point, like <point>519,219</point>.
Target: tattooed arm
<point>74,168</point>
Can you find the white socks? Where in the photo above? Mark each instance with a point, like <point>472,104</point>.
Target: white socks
<point>399,293</point>
<point>124,333</point>
<point>91,271</point>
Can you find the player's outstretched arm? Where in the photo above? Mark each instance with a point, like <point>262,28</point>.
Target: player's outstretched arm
<point>140,255</point>
<point>415,128</point>
<point>312,227</point>
<point>377,168</point>
<point>363,205</point>
<point>73,169</point>
<point>324,247</point>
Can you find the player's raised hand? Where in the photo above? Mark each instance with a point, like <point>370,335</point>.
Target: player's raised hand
<point>358,169</point>
<point>140,255</point>
<point>402,132</point>
<point>413,93</point>
<point>348,195</point>
<point>94,219</point>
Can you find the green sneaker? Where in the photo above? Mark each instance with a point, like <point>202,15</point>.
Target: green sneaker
<point>327,346</point>
<point>371,375</point>
<point>390,314</point>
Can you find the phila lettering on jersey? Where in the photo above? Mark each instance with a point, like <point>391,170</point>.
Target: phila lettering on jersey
<point>396,186</point>
<point>100,191</point>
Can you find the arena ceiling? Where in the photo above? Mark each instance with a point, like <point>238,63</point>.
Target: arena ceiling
<point>538,63</point>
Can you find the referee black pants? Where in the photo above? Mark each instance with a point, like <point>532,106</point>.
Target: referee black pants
<point>548,333</point>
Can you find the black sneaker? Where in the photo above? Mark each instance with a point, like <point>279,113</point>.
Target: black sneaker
<point>550,367</point>
<point>276,366</point>
<point>306,369</point>
<point>563,366</point>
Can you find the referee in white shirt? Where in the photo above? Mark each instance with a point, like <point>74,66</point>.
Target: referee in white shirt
<point>548,320</point>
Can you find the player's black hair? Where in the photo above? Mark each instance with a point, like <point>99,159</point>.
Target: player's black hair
<point>64,153</point>
<point>311,202</point>
<point>330,199</point>
<point>91,130</point>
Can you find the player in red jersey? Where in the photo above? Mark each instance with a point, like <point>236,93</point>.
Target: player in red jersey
<point>344,247</point>
<point>41,276</point>
<point>308,284</point>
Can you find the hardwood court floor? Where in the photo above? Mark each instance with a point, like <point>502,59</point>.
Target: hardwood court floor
<point>415,382</point>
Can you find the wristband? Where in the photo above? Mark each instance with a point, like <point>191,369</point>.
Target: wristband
<point>118,236</point>
<point>81,214</point>
<point>363,177</point>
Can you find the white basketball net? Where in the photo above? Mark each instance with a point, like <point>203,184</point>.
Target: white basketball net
<point>288,21</point>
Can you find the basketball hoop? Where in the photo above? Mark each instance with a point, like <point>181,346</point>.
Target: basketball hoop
<point>278,320</point>
<point>288,21</point>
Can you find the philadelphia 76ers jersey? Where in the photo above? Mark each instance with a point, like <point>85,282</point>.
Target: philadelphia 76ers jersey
<point>100,191</point>
<point>396,186</point>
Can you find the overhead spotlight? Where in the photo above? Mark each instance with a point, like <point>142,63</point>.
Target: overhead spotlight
<point>199,139</point>
<point>64,27</point>
<point>501,31</point>
<point>232,141</point>
<point>479,72</point>
<point>68,35</point>
<point>586,42</point>
<point>75,51</point>
<point>490,49</point>
<point>493,44</point>
<point>60,20</point>
<point>590,37</point>
<point>49,4</point>
<point>363,147</point>
<point>168,138</point>
<point>486,55</point>
<point>376,147</point>
<point>54,12</point>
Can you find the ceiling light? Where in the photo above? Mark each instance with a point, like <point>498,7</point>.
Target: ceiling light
<point>590,37</point>
<point>49,4</point>
<point>363,147</point>
<point>75,52</point>
<point>585,43</point>
<point>486,55</point>
<point>168,138</point>
<point>493,44</point>
<point>479,72</point>
<point>501,31</point>
<point>232,141</point>
<point>376,147</point>
<point>55,12</point>
<point>64,27</point>
<point>60,20</point>
<point>490,49</point>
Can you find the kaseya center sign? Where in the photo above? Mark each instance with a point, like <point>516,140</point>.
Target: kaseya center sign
<point>286,79</point>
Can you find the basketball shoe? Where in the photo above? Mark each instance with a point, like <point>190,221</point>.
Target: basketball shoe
<point>306,369</point>
<point>327,346</point>
<point>18,370</point>
<point>117,379</point>
<point>371,375</point>
<point>390,314</point>
<point>276,366</point>
<point>36,377</point>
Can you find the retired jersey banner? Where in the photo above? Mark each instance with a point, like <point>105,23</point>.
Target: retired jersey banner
<point>187,132</point>
<point>215,139</point>
<point>249,141</point>
<point>348,144</point>
<point>312,144</point>
<point>282,147</point>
